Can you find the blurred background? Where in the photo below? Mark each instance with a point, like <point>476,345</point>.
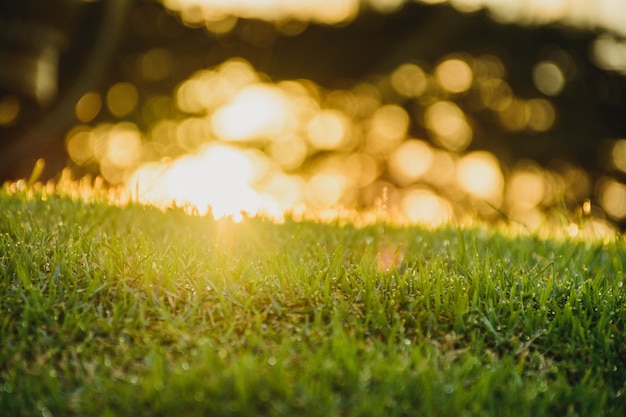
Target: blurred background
<point>496,109</point>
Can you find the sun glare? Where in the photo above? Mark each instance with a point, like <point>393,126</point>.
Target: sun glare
<point>219,179</point>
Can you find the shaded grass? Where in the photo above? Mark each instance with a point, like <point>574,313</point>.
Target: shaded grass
<point>132,311</point>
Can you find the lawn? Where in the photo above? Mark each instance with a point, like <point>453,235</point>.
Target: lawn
<point>132,311</point>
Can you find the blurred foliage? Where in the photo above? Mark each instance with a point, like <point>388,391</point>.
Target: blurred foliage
<point>453,113</point>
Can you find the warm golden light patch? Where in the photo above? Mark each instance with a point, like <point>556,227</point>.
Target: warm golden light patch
<point>323,11</point>
<point>333,11</point>
<point>613,198</point>
<point>218,179</point>
<point>454,75</point>
<point>586,207</point>
<point>548,78</point>
<point>163,136</point>
<point>410,161</point>
<point>478,173</point>
<point>192,132</point>
<point>409,80</point>
<point>79,145</point>
<point>117,148</point>
<point>288,152</point>
<point>122,99</point>
<point>433,1</point>
<point>328,130</point>
<point>256,111</point>
<point>424,207</point>
<point>610,53</point>
<point>515,116</point>
<point>618,154</point>
<point>188,98</point>
<point>541,114</point>
<point>448,124</point>
<point>123,145</point>
<point>283,194</point>
<point>525,187</point>
<point>88,107</point>
<point>496,94</point>
<point>387,128</point>
<point>325,189</point>
<point>271,148</point>
<point>488,67</point>
<point>207,90</point>
<point>364,168</point>
<point>442,169</point>
<point>9,110</point>
<point>220,16</point>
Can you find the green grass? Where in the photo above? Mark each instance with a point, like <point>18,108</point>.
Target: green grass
<point>136,312</point>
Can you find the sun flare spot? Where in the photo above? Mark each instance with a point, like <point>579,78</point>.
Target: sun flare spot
<point>217,180</point>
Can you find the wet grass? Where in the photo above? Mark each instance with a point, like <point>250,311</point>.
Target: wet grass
<point>132,311</point>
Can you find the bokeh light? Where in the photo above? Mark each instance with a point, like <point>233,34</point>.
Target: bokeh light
<point>88,107</point>
<point>618,154</point>
<point>548,78</point>
<point>289,152</point>
<point>325,189</point>
<point>525,188</point>
<point>229,139</point>
<point>613,198</point>
<point>386,129</point>
<point>409,80</point>
<point>541,114</point>
<point>328,130</point>
<point>9,110</point>
<point>610,53</point>
<point>122,99</point>
<point>425,207</point>
<point>410,161</point>
<point>454,75</point>
<point>479,174</point>
<point>255,111</point>
<point>442,169</point>
<point>79,145</point>
<point>115,148</point>
<point>195,12</point>
<point>218,16</point>
<point>449,125</point>
<point>243,143</point>
<point>496,94</point>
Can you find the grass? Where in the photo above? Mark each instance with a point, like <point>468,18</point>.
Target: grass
<point>132,311</point>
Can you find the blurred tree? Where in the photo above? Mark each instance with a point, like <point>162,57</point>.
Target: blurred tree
<point>563,106</point>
